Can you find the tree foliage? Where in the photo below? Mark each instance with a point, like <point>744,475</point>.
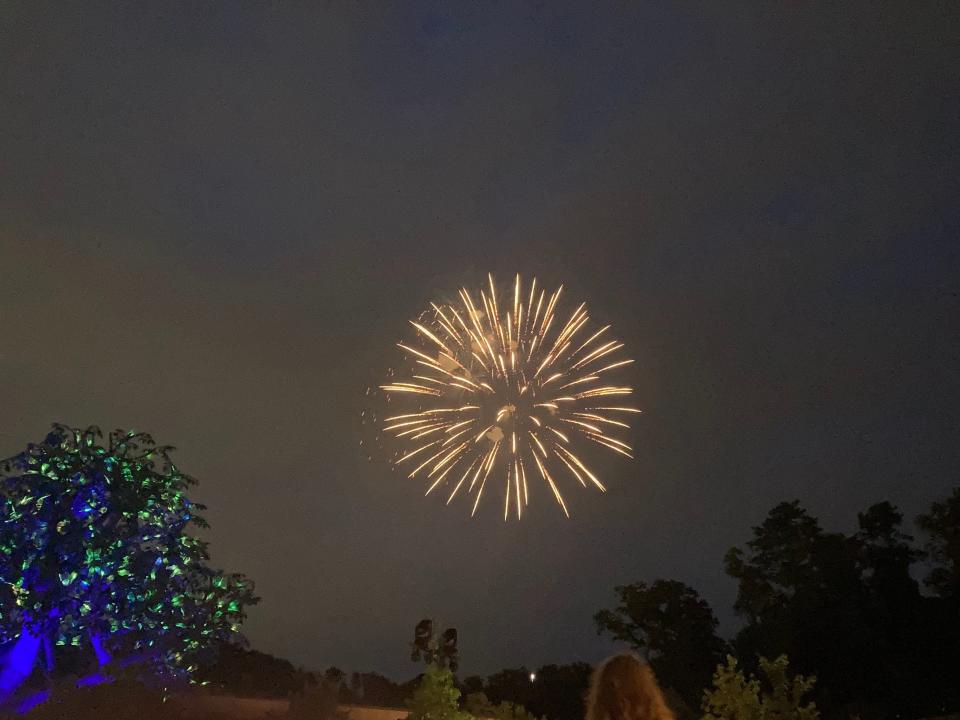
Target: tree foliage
<point>437,697</point>
<point>673,627</point>
<point>511,685</point>
<point>885,555</point>
<point>557,692</point>
<point>846,608</point>
<point>788,556</point>
<point>374,689</point>
<point>251,673</point>
<point>96,541</point>
<point>843,607</point>
<point>774,695</point>
<point>942,525</point>
<point>316,700</point>
<point>479,706</point>
<point>435,649</point>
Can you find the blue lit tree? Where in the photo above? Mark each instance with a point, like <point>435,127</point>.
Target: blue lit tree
<point>96,551</point>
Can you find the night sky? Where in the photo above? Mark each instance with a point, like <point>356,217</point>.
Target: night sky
<point>215,222</point>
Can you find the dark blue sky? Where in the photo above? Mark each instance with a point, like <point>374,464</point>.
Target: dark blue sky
<point>215,220</point>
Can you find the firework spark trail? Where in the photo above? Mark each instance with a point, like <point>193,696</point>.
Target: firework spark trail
<point>508,365</point>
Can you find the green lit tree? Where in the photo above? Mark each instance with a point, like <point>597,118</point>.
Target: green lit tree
<point>775,695</point>
<point>97,549</point>
<point>437,697</point>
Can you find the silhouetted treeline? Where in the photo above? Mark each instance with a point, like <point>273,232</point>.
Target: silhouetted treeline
<point>374,689</point>
<point>844,607</point>
<point>250,673</point>
<point>555,692</point>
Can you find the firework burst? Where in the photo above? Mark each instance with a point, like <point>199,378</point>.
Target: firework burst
<point>501,391</point>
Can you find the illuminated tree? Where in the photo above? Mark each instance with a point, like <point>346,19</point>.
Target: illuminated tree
<point>96,549</point>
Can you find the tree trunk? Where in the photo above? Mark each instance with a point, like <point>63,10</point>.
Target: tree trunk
<point>48,651</point>
<point>99,649</point>
<point>19,663</point>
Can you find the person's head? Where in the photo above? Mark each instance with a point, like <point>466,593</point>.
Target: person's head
<point>624,688</point>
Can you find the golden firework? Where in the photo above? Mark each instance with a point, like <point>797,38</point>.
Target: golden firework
<point>501,388</point>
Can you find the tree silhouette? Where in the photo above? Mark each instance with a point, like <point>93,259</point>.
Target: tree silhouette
<point>942,525</point>
<point>555,692</point>
<point>673,627</point>
<point>374,689</point>
<point>251,673</point>
<point>441,650</point>
<point>846,609</point>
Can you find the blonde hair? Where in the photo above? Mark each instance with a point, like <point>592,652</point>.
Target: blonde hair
<point>624,688</point>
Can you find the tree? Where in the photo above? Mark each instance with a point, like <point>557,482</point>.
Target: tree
<point>251,673</point>
<point>317,700</point>
<point>781,561</point>
<point>472,684</point>
<point>437,697</point>
<point>774,696</point>
<point>800,593</point>
<point>96,549</point>
<point>434,650</point>
<point>938,635</point>
<point>847,609</point>
<point>334,675</point>
<point>897,678</point>
<point>338,679</point>
<point>942,526</point>
<point>673,627</point>
<point>555,692</point>
<point>513,685</point>
<point>561,691</point>
<point>375,689</point>
<point>479,706</point>
<point>886,554</point>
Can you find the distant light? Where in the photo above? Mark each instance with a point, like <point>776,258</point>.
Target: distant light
<point>533,677</point>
